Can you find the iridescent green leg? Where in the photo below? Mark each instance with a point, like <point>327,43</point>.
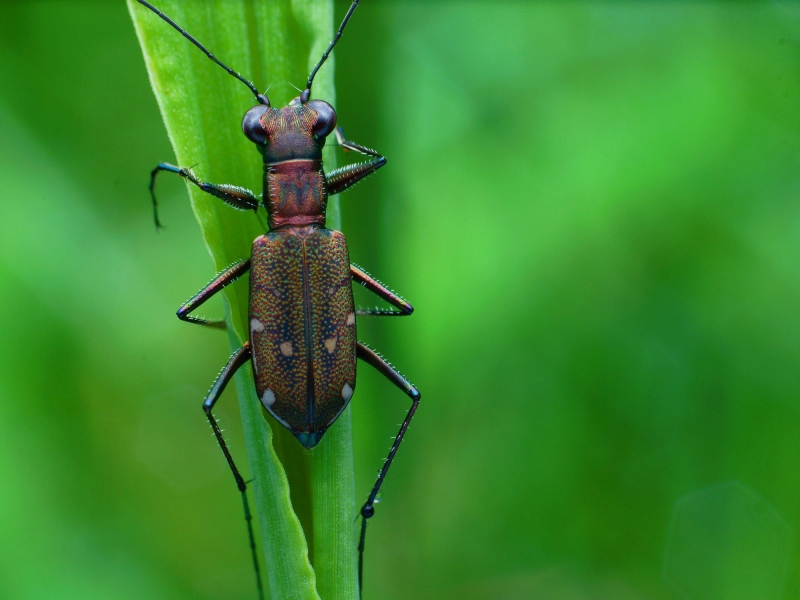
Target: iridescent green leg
<point>347,145</point>
<point>238,197</point>
<point>339,180</point>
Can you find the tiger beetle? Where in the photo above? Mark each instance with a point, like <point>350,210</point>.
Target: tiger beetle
<point>302,317</point>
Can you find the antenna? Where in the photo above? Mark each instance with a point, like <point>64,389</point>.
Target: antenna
<point>262,99</point>
<point>304,97</point>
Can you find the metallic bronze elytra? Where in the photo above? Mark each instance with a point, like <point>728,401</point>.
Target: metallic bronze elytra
<point>302,319</point>
<point>300,282</point>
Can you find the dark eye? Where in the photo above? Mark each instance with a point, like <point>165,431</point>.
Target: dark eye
<point>326,119</point>
<point>251,124</point>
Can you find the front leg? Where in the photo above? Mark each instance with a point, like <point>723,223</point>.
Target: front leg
<point>347,145</point>
<point>339,180</point>
<point>227,277</point>
<point>238,197</point>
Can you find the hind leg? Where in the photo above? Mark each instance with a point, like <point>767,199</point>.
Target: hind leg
<point>237,359</point>
<point>372,358</point>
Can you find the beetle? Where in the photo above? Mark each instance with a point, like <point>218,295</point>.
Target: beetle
<point>302,343</point>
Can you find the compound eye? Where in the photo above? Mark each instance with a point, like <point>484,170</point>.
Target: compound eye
<point>251,124</point>
<point>326,119</point>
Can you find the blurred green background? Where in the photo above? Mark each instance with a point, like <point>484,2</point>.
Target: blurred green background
<point>594,208</point>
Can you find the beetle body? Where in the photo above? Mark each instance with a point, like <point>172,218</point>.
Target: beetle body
<point>302,316</point>
<point>302,328</point>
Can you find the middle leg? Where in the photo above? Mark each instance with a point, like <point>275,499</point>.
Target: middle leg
<point>380,290</point>
<point>227,277</point>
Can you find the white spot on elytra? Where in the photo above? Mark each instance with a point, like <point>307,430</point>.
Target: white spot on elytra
<point>351,318</point>
<point>255,366</point>
<point>256,326</point>
<point>331,290</point>
<point>330,344</point>
<point>286,349</point>
<point>268,398</point>
<point>347,392</point>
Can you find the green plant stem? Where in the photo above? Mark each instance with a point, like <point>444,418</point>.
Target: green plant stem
<point>305,501</point>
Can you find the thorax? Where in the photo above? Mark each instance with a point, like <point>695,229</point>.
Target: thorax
<point>295,192</point>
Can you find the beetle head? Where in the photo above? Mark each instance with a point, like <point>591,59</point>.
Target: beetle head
<point>263,124</point>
